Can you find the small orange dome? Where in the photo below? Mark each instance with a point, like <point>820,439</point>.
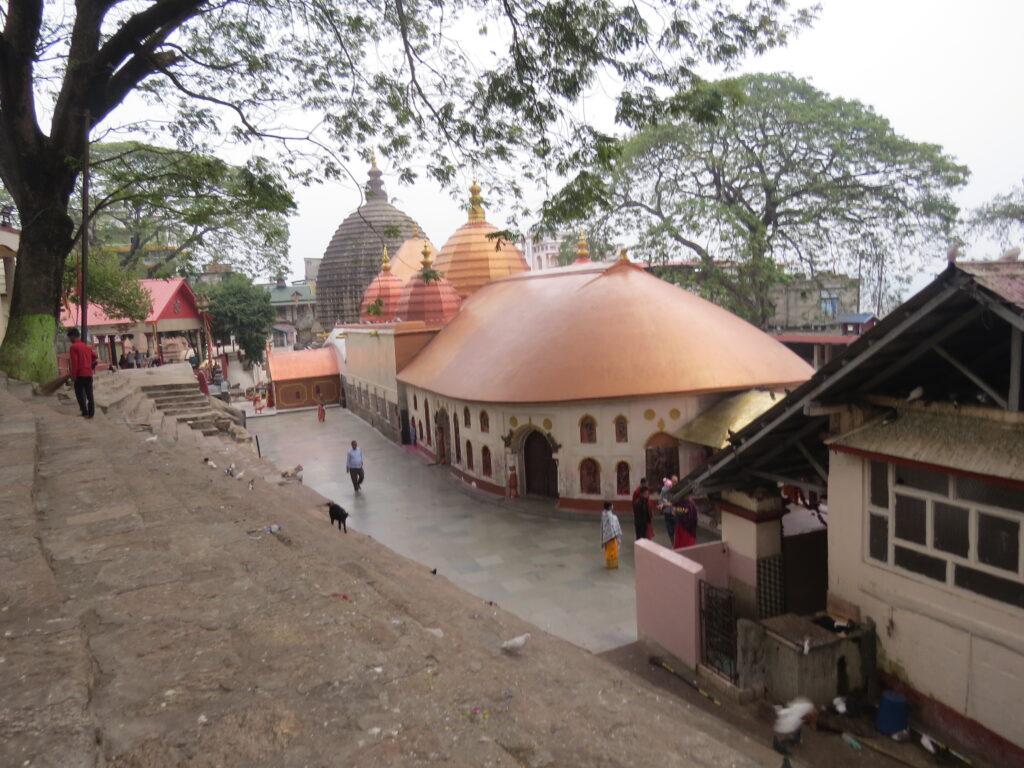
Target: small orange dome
<point>470,259</point>
<point>428,296</point>
<point>381,297</point>
<point>406,261</point>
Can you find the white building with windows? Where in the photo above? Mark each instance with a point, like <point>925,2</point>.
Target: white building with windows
<point>568,377</point>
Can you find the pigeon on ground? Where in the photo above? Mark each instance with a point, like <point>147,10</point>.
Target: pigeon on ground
<point>209,463</point>
<point>516,644</point>
<point>915,394</point>
<point>840,705</point>
<point>252,484</point>
<point>230,471</point>
<point>928,744</point>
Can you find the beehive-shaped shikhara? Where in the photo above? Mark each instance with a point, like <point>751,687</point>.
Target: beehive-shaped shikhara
<point>471,259</point>
<point>352,258</point>
<point>428,296</point>
<point>381,297</point>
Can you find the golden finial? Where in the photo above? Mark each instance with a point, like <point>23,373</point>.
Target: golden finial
<point>582,248</point>
<point>385,261</point>
<point>476,203</point>
<point>623,255</point>
<point>427,259</point>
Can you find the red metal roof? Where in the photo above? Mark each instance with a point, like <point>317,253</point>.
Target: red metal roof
<point>170,299</point>
<point>1003,278</point>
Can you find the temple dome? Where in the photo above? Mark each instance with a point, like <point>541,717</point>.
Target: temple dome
<point>428,296</point>
<point>406,261</point>
<point>352,258</point>
<point>469,259</point>
<point>386,288</point>
<point>594,331</point>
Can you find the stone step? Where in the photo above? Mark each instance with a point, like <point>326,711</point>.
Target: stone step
<point>192,404</point>
<point>186,409</point>
<point>153,389</point>
<point>178,397</point>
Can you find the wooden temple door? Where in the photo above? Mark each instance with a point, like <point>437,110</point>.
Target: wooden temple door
<point>662,458</point>
<point>539,466</point>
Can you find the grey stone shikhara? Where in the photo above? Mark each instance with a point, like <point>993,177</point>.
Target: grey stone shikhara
<point>353,256</point>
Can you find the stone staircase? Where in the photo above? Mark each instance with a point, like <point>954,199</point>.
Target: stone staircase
<point>165,404</point>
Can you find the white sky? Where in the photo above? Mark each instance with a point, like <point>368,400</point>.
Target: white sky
<point>942,71</point>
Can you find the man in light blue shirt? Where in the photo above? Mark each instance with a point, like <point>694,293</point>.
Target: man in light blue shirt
<point>354,464</point>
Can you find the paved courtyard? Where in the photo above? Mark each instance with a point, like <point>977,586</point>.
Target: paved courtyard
<point>546,570</point>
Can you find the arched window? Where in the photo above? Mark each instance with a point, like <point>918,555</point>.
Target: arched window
<point>622,486</point>
<point>426,415</point>
<point>621,430</point>
<point>485,422</point>
<point>485,461</point>
<point>590,477</point>
<point>458,442</point>
<point>469,455</point>
<point>415,403</point>
<point>465,416</point>
<point>421,432</point>
<point>588,430</point>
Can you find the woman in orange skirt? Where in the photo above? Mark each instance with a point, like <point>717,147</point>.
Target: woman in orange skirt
<point>611,535</point>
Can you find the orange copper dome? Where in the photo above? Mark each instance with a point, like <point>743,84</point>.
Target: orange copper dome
<point>595,331</point>
<point>384,292</point>
<point>469,259</point>
<point>406,261</point>
<point>428,296</point>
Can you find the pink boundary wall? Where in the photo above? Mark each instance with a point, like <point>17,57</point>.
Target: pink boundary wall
<point>668,594</point>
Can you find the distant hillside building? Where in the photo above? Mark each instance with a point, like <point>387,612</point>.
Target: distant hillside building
<point>295,322</point>
<point>814,303</point>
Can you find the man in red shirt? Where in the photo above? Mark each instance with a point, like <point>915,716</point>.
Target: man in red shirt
<point>83,362</point>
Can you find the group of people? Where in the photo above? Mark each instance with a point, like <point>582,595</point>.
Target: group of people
<point>136,359</point>
<point>680,519</point>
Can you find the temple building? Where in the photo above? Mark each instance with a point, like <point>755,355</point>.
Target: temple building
<point>472,258</point>
<point>352,258</point>
<point>579,378</point>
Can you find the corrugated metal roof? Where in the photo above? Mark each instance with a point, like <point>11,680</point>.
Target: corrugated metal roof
<point>963,442</point>
<point>1003,278</point>
<point>712,427</point>
<point>304,364</point>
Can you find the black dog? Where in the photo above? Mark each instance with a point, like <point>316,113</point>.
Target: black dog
<point>338,515</point>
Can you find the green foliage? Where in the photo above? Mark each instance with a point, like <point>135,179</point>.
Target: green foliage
<point>789,179</point>
<point>376,307</point>
<point>241,310</point>
<point>167,212</point>
<point>430,275</point>
<point>1002,217</point>
<point>29,356</point>
<point>110,285</point>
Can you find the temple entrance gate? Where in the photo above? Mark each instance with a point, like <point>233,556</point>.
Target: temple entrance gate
<point>662,458</point>
<point>540,470</point>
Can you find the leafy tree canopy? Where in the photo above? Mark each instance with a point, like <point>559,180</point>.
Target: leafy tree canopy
<point>1002,217</point>
<point>165,211</point>
<point>241,310</point>
<point>789,180</point>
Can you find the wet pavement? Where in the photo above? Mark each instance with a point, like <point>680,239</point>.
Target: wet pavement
<point>547,570</point>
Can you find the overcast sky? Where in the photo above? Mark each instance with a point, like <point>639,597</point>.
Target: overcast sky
<point>942,71</point>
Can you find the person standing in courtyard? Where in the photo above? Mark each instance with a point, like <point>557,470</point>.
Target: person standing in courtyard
<point>83,360</point>
<point>641,510</point>
<point>611,536</point>
<point>321,410</point>
<point>512,486</point>
<point>686,524</point>
<point>665,505</point>
<point>354,464</point>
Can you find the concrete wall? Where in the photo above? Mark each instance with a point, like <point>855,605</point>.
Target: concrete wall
<point>646,416</point>
<point>798,302</point>
<point>963,650</point>
<point>373,358</point>
<point>668,600</point>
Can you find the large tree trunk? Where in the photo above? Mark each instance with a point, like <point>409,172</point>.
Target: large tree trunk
<point>27,352</point>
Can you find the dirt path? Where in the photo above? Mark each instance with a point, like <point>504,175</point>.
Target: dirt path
<point>144,626</point>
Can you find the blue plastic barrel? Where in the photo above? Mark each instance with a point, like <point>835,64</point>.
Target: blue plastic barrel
<point>892,713</point>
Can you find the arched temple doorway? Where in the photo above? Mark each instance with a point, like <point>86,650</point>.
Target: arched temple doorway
<point>662,458</point>
<point>539,467</point>
<point>442,437</point>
